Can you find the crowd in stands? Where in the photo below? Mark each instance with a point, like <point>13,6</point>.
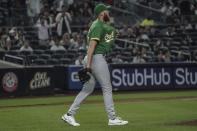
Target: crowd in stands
<point>172,9</point>
<point>53,35</point>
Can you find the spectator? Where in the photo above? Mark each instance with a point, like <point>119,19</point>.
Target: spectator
<point>130,33</point>
<point>56,45</point>
<point>155,4</point>
<point>74,41</point>
<point>86,9</point>
<point>138,58</point>
<point>74,9</point>
<point>171,31</point>
<point>143,52</point>
<point>43,32</point>
<point>79,60</point>
<point>14,38</point>
<point>147,22</point>
<point>167,57</point>
<point>3,38</point>
<point>81,42</point>
<point>26,47</point>
<point>66,40</point>
<point>60,3</point>
<point>52,22</point>
<point>195,55</point>
<point>195,9</point>
<point>167,9</point>
<point>160,56</point>
<point>143,2</point>
<point>63,20</point>
<point>117,60</point>
<point>180,56</point>
<point>34,7</point>
<point>123,31</point>
<point>143,35</point>
<point>188,26</point>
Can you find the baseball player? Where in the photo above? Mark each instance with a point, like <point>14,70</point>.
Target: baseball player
<point>101,37</point>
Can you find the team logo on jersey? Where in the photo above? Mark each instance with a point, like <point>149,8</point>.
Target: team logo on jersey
<point>109,37</point>
<point>10,82</point>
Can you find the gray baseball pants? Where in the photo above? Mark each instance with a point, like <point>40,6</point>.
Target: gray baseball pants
<point>100,72</point>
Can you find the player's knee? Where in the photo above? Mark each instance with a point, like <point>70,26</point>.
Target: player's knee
<point>92,85</point>
<point>107,89</point>
<point>89,86</point>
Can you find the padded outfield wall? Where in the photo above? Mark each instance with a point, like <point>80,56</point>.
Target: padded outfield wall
<point>50,79</point>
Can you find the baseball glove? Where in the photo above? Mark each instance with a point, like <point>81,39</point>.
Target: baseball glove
<point>84,75</point>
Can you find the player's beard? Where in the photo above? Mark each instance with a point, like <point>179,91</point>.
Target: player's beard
<point>106,17</point>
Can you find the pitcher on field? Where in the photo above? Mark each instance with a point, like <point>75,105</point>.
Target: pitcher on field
<point>101,37</point>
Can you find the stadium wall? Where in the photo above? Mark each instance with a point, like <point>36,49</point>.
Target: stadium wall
<point>49,79</point>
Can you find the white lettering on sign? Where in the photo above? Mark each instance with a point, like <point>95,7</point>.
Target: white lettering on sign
<point>184,76</point>
<point>122,78</point>
<point>40,80</point>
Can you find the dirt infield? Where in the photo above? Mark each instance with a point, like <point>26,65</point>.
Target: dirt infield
<point>100,101</point>
<point>187,123</point>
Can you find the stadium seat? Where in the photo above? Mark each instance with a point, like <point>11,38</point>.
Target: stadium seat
<point>65,61</point>
<point>126,54</point>
<point>31,58</point>
<point>2,53</point>
<point>43,47</point>
<point>15,47</point>
<point>50,52</point>
<point>173,48</point>
<point>25,52</point>
<point>72,51</point>
<point>70,55</point>
<point>126,58</point>
<point>60,52</point>
<point>82,51</point>
<point>57,56</point>
<point>38,52</point>
<point>184,48</point>
<point>39,62</point>
<point>53,61</point>
<point>45,56</point>
<point>13,52</point>
<point>150,53</point>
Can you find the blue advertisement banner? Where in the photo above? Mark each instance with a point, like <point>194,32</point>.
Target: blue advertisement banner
<point>73,79</point>
<point>144,76</point>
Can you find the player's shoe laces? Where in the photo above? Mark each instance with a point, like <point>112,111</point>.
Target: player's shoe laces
<point>70,120</point>
<point>117,121</point>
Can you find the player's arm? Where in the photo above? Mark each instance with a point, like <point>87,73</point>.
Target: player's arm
<point>91,48</point>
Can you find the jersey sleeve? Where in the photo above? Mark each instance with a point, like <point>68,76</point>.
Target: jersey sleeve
<point>96,33</point>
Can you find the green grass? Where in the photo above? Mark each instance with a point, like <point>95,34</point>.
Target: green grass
<point>143,115</point>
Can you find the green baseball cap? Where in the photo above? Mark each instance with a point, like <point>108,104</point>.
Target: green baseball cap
<point>100,8</point>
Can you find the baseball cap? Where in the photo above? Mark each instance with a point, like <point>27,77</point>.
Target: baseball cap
<point>100,8</point>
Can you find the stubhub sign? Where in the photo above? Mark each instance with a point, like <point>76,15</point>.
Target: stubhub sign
<point>141,77</point>
<point>145,76</point>
<point>185,76</point>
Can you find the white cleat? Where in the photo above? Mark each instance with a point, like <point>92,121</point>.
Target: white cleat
<point>70,120</point>
<point>117,121</point>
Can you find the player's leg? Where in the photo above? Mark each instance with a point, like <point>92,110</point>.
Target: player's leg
<point>87,89</point>
<point>101,73</point>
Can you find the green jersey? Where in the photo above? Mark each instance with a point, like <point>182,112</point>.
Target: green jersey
<point>104,34</point>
